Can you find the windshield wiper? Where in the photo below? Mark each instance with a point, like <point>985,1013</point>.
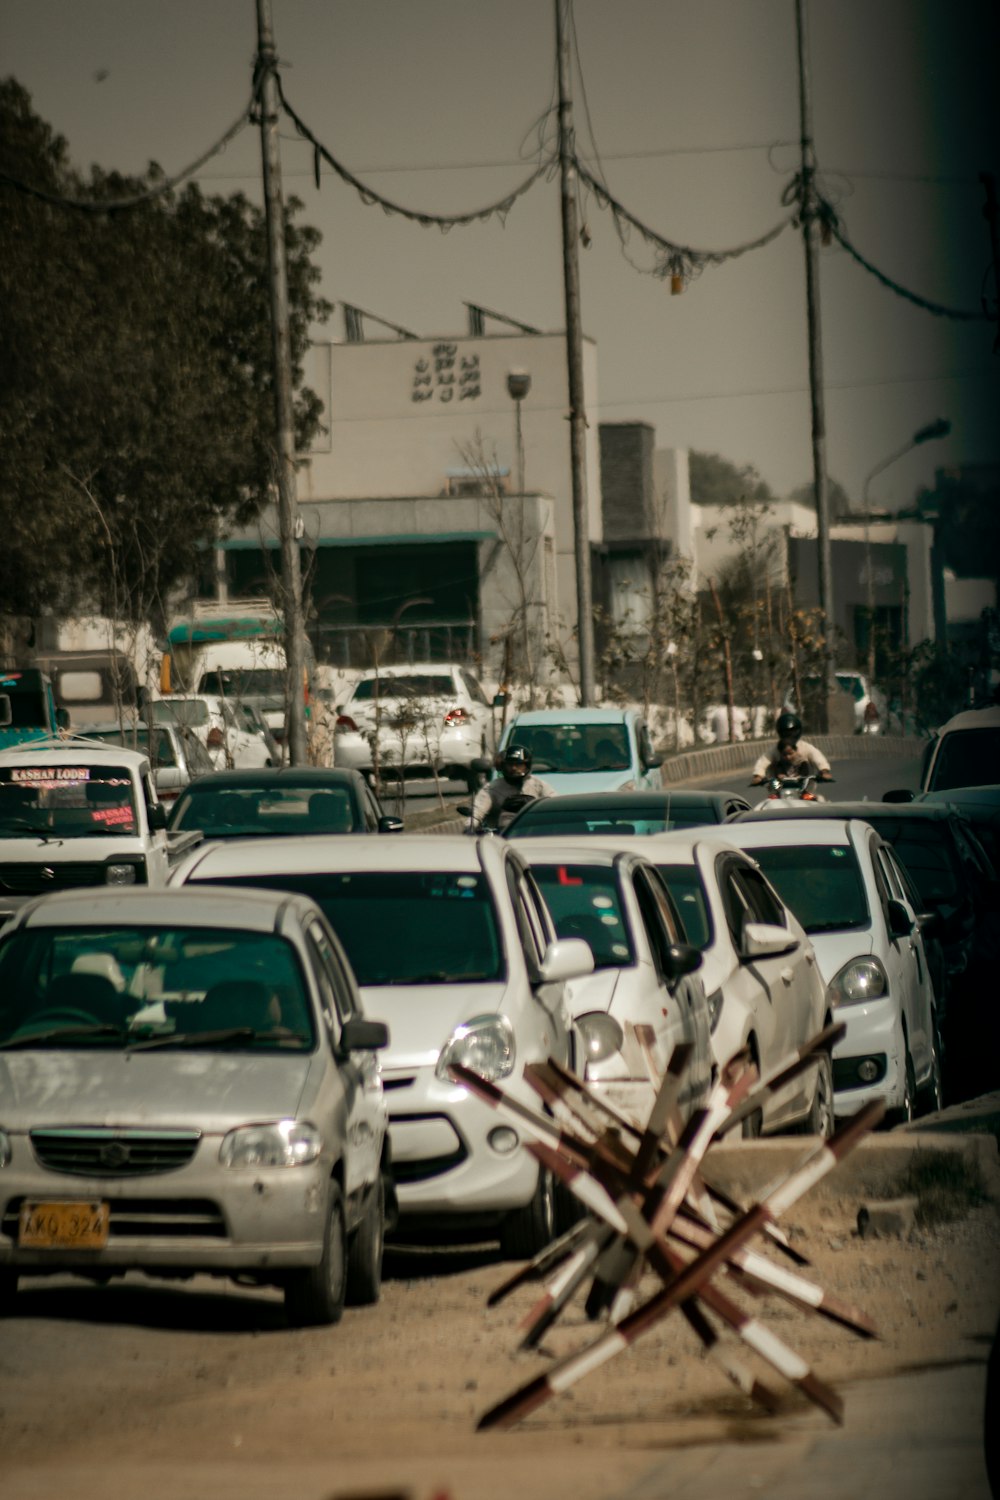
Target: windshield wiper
<point>60,1033</point>
<point>199,1038</point>
<point>22,824</point>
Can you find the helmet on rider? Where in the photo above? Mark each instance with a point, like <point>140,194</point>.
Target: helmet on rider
<point>788,726</point>
<point>516,765</point>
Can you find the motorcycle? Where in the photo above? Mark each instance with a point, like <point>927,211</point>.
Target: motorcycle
<point>791,789</point>
<point>506,816</point>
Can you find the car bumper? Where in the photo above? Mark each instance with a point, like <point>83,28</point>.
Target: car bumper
<point>192,1219</point>
<point>455,748</point>
<point>452,1154</point>
<point>874,1031</point>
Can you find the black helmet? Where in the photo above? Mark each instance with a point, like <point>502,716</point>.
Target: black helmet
<point>516,756</point>
<point>788,726</point>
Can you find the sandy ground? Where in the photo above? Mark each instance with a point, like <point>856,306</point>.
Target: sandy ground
<point>145,1389</point>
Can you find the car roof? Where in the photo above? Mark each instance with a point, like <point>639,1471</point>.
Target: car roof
<point>771,830</point>
<point>972,718</point>
<point>73,753</point>
<point>255,910</point>
<point>652,797</point>
<point>573,716</point>
<point>972,800</point>
<point>916,811</point>
<point>245,776</point>
<point>345,851</point>
<point>676,847</point>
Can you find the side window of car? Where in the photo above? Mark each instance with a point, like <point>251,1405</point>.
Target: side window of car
<point>761,901</point>
<point>336,991</point>
<point>473,687</point>
<point>902,877</point>
<point>530,927</point>
<point>737,910</point>
<point>369,807</point>
<point>657,922</point>
<point>646,752</point>
<point>882,880</point>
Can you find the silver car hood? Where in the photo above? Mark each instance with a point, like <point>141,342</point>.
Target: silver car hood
<point>212,1091</point>
<point>421,1017</point>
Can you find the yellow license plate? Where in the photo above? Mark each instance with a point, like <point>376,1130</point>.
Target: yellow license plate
<point>63,1226</point>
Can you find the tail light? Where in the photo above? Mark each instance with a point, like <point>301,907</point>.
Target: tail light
<point>215,738</point>
<point>456,716</point>
<point>344,721</point>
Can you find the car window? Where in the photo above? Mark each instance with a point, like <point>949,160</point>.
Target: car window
<point>684,884</point>
<point>821,883</point>
<point>413,685</point>
<point>572,748</point>
<point>67,802</point>
<point>191,711</point>
<point>408,927</point>
<point>530,927</point>
<point>585,901</point>
<point>540,819</point>
<point>370,808</point>
<point>334,984</point>
<point>926,850</point>
<point>266,809</point>
<point>966,757</point>
<point>474,688</point>
<point>759,897</point>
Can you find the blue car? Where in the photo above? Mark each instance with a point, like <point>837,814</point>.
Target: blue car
<point>587,749</point>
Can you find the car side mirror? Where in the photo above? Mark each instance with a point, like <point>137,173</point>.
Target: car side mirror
<point>929,923</point>
<point>653,762</point>
<point>157,817</point>
<point>361,1035</point>
<point>499,699</point>
<point>464,808</point>
<point>767,940</point>
<point>62,718</point>
<point>388,824</point>
<point>901,794</point>
<point>681,959</point>
<point>566,958</point>
<point>900,921</point>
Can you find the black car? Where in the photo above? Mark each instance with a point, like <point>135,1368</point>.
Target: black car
<point>960,905</point>
<point>282,800</point>
<point>580,814</point>
<point>980,805</point>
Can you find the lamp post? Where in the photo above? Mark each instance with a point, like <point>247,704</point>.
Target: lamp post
<point>518,386</point>
<point>939,428</point>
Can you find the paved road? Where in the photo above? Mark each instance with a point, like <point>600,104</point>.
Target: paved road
<point>866,776</point>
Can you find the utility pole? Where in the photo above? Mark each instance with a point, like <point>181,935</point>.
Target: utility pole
<point>574,360</point>
<point>808,177</point>
<point>289,525</point>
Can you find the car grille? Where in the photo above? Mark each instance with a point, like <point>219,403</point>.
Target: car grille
<point>38,879</point>
<point>106,1152</point>
<point>147,1218</point>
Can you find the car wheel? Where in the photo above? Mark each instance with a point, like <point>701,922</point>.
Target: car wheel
<point>8,1291</point>
<point>364,1257</point>
<point>529,1229</point>
<point>314,1296</point>
<point>905,1112</point>
<point>931,1097</point>
<point>820,1119</point>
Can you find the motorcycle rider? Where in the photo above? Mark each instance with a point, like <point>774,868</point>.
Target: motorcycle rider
<point>515,780</point>
<point>794,755</point>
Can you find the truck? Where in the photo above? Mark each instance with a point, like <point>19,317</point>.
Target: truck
<point>28,707</point>
<point>76,812</point>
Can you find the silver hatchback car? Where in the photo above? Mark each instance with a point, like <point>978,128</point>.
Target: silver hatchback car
<point>188,1084</point>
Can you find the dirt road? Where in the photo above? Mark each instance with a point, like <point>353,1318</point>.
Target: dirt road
<point>143,1389</point>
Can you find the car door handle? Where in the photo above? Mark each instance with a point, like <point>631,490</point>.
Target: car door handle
<point>787,975</point>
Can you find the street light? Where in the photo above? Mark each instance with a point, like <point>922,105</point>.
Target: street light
<point>930,432</point>
<point>518,386</point>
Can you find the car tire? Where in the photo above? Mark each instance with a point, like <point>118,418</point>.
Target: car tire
<point>314,1296</point>
<point>364,1255</point>
<point>930,1098</point>
<point>529,1229</point>
<point>8,1292</point>
<point>905,1112</point>
<point>820,1119</point>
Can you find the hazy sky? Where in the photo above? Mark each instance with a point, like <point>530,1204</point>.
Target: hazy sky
<point>694,111</point>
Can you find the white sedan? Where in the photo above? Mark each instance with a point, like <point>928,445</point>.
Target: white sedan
<point>454,947</point>
<point>847,889</point>
<point>765,990</point>
<point>644,971</point>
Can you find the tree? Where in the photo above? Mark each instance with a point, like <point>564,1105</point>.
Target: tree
<point>838,500</point>
<point>137,398</point>
<point>716,481</point>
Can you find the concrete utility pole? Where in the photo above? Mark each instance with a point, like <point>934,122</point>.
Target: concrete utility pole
<point>574,360</point>
<point>289,524</point>
<point>808,175</point>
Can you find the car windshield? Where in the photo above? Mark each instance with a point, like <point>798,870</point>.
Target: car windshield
<point>820,883</point>
<point>404,927</point>
<point>540,819</point>
<point>257,811</point>
<point>247,682</point>
<point>138,739</point>
<point>190,711</point>
<point>571,748</point>
<point>131,986</point>
<point>413,685</point>
<point>66,802</point>
<point>586,902</point>
<point>966,757</point>
<point>684,884</point>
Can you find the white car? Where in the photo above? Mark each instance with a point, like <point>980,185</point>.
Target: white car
<point>848,891</point>
<point>422,719</point>
<point>765,991</point>
<point>644,972</point>
<point>229,738</point>
<point>454,947</point>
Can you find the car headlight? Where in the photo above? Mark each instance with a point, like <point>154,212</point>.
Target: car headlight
<point>5,1152</point>
<point>861,979</point>
<point>714,1008</point>
<point>485,1045</point>
<point>602,1035</point>
<point>289,1143</point>
<point>120,874</point>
